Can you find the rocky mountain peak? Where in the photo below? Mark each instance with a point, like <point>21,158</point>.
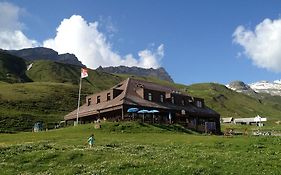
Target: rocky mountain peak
<point>261,87</point>
<point>159,73</point>
<point>240,86</point>
<point>39,53</point>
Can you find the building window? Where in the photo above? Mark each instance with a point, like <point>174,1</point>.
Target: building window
<point>161,98</point>
<point>98,99</point>
<point>183,102</point>
<point>199,104</point>
<point>173,100</point>
<point>149,96</point>
<point>108,96</point>
<point>89,101</point>
<point>182,112</point>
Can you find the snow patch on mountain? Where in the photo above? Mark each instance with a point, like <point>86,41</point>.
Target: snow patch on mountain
<point>241,87</point>
<point>273,88</point>
<point>277,81</point>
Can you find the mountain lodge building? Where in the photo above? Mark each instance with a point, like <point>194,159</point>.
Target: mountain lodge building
<point>171,105</point>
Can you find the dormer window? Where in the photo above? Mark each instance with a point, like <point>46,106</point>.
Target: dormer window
<point>161,98</point>
<point>199,104</point>
<point>89,101</point>
<point>108,96</point>
<point>98,99</point>
<point>149,96</point>
<point>140,85</point>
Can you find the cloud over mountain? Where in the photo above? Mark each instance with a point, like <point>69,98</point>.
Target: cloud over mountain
<point>11,35</point>
<point>262,45</point>
<point>75,35</point>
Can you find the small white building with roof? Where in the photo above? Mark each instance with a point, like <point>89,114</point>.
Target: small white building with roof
<point>249,121</point>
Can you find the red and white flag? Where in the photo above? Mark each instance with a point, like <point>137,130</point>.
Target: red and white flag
<point>84,73</point>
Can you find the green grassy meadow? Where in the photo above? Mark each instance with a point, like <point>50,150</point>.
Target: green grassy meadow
<point>23,104</point>
<point>49,91</point>
<point>135,148</point>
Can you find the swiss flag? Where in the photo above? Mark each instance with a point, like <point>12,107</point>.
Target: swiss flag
<point>84,73</point>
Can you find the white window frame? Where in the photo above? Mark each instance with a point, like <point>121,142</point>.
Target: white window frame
<point>162,98</point>
<point>199,104</point>
<point>150,96</point>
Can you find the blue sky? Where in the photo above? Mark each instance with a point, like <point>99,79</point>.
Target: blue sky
<point>192,40</point>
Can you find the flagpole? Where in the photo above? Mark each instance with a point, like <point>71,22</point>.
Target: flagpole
<point>77,117</point>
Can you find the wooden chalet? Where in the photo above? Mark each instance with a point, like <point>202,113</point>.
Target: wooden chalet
<point>173,106</point>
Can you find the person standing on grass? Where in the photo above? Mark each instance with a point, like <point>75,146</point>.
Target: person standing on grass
<point>91,140</point>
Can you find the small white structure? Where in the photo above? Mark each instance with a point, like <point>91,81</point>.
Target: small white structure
<point>227,120</point>
<point>256,120</point>
<point>260,119</point>
<point>29,66</point>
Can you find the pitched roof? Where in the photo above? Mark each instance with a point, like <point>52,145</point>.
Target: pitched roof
<point>92,109</point>
<point>132,98</point>
<point>129,96</point>
<point>249,120</point>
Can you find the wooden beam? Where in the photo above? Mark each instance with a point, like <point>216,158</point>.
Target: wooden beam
<point>122,112</point>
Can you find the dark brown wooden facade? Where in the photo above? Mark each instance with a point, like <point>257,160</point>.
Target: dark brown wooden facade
<point>173,106</point>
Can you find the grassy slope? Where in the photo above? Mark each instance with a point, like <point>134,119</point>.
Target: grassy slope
<point>232,104</point>
<point>53,94</point>
<point>12,68</point>
<point>132,148</point>
<point>48,71</point>
<point>23,104</point>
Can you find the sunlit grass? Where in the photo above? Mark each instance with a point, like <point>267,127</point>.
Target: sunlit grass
<point>136,149</point>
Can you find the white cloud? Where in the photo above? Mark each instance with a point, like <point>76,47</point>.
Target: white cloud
<point>74,35</point>
<point>11,40</point>
<point>151,59</point>
<point>77,36</point>
<point>263,45</point>
<point>9,16</point>
<point>108,25</point>
<point>11,35</point>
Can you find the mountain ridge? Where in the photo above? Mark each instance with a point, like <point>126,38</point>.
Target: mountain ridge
<point>42,53</point>
<point>241,87</point>
<point>272,88</point>
<point>159,73</point>
<point>264,87</point>
<point>37,53</point>
<point>12,68</point>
